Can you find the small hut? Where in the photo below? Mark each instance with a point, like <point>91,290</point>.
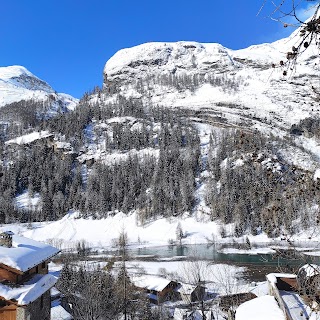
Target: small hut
<point>158,289</point>
<point>191,293</point>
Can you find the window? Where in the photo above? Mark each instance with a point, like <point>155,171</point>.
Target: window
<point>43,265</point>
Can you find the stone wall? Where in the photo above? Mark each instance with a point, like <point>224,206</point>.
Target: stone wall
<point>37,310</point>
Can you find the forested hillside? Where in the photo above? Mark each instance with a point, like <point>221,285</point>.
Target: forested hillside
<point>125,156</point>
<point>138,144</point>
<point>160,182</point>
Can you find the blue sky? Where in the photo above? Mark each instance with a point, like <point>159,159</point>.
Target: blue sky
<point>67,42</point>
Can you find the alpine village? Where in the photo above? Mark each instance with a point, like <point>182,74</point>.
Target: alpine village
<point>186,186</point>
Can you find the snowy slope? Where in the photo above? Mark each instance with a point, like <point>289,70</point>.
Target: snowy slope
<point>17,83</point>
<point>100,233</point>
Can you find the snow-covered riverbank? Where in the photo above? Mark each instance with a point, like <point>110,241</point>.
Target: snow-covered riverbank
<point>100,234</point>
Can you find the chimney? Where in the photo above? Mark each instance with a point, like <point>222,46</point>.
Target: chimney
<point>6,239</point>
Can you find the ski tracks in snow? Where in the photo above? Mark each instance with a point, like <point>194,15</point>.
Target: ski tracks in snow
<point>68,226</point>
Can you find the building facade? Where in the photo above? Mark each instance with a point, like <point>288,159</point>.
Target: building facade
<point>24,280</point>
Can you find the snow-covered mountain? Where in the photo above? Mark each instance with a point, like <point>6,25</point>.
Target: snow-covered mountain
<point>17,83</point>
<point>127,157</point>
<point>240,87</point>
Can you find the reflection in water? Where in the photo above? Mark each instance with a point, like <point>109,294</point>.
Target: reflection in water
<point>182,251</point>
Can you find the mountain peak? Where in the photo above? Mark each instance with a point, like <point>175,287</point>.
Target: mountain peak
<point>149,58</point>
<point>16,71</point>
<point>18,83</point>
<point>18,76</point>
<point>241,86</point>
<point>167,57</point>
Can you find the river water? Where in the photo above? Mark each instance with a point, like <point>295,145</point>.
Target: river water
<point>258,265</point>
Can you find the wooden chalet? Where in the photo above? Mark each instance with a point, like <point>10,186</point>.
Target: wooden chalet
<point>24,280</point>
<point>157,288</point>
<point>191,293</point>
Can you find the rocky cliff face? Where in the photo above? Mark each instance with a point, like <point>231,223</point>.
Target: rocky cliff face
<point>191,57</point>
<point>241,87</point>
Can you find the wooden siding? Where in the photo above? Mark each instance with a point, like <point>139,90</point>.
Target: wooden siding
<point>16,276</point>
<point>8,313</point>
<point>198,294</point>
<point>288,284</point>
<point>168,292</point>
<point>39,309</point>
<point>8,275</point>
<point>41,268</point>
<point>13,270</point>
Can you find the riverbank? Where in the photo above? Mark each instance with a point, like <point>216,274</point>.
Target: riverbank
<point>101,234</point>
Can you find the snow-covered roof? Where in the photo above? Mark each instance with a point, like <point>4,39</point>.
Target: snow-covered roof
<point>272,277</point>
<point>310,270</point>
<point>296,307</point>
<point>29,138</point>
<point>186,288</point>
<point>59,313</point>
<point>25,253</point>
<point>261,289</point>
<point>262,308</point>
<point>150,282</point>
<point>55,293</point>
<point>152,296</point>
<point>29,291</point>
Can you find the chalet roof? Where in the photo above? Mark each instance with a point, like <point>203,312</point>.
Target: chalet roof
<point>55,293</point>
<point>29,138</point>
<point>310,270</point>
<point>262,308</point>
<point>25,253</point>
<point>272,277</point>
<point>296,306</point>
<point>152,296</point>
<point>30,290</point>
<point>150,282</point>
<point>186,288</point>
<point>261,289</point>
